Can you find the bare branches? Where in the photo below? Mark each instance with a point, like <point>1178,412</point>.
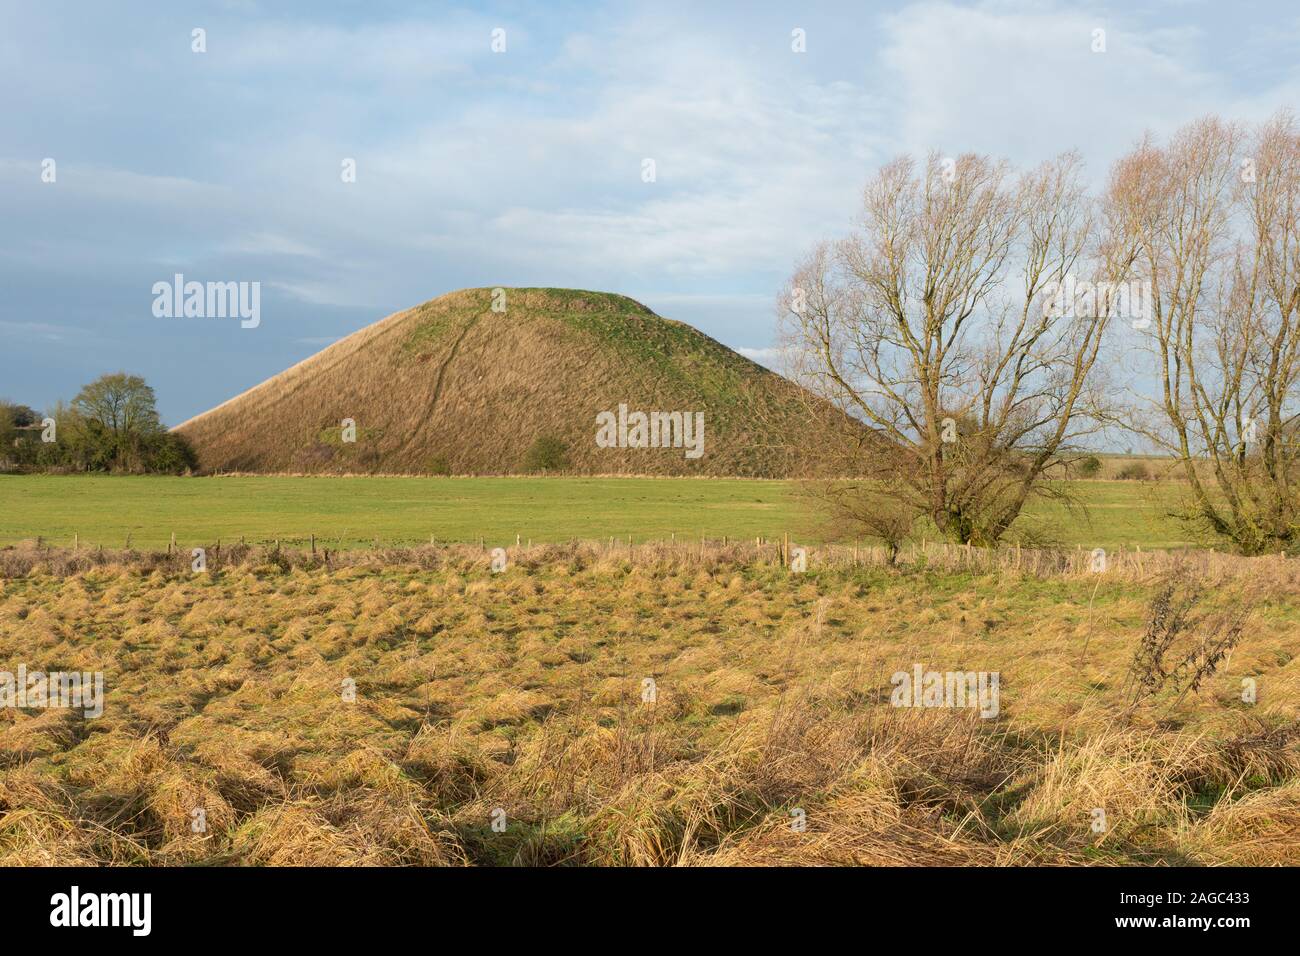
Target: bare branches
<point>1212,223</point>
<point>939,323</point>
<point>1180,650</point>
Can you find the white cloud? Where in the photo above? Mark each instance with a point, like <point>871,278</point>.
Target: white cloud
<point>269,244</point>
<point>1021,80</point>
<point>125,186</point>
<point>393,52</point>
<point>332,293</point>
<point>36,331</point>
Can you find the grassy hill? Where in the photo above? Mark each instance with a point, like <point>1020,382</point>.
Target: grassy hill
<point>451,385</point>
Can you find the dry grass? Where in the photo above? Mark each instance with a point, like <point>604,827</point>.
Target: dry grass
<point>518,698</point>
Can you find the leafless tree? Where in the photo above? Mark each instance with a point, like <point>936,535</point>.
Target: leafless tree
<point>1213,222</point>
<point>937,323</point>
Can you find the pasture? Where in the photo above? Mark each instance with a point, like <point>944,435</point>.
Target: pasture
<point>356,511</point>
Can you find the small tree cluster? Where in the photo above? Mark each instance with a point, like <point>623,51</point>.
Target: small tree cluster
<point>111,425</point>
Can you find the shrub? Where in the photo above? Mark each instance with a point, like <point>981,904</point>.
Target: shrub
<point>8,435</point>
<point>168,454</point>
<point>1089,467</point>
<point>112,425</point>
<point>439,465</point>
<point>1179,649</point>
<point>1134,471</point>
<point>547,453</point>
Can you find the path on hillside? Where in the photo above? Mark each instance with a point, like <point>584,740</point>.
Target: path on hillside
<point>427,419</point>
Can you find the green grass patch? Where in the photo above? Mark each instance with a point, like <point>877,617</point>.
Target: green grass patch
<point>353,512</point>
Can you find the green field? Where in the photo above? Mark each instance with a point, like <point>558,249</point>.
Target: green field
<point>351,512</point>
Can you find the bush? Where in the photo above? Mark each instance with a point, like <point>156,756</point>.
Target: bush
<point>547,453</point>
<point>439,465</point>
<point>168,454</point>
<point>1089,467</point>
<point>8,435</point>
<point>112,426</point>
<point>1134,471</point>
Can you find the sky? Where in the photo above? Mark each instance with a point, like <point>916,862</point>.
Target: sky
<point>521,166</point>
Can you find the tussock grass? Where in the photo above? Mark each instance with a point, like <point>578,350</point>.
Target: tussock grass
<point>505,720</point>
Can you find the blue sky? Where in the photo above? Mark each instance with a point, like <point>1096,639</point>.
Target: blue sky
<point>477,168</point>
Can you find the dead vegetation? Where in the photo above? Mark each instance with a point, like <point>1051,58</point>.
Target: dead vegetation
<point>507,718</point>
<point>1178,649</point>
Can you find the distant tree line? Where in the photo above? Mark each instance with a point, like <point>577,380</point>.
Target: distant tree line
<point>112,425</point>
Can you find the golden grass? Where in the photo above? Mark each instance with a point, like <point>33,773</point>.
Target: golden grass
<point>520,699</point>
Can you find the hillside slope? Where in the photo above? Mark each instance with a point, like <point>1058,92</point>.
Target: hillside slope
<point>451,384</point>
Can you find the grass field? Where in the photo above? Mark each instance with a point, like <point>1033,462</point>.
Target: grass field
<point>419,709</point>
<point>353,512</point>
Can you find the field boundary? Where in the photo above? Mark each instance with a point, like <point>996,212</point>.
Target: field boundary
<point>1134,565</point>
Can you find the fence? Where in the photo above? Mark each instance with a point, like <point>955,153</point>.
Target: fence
<point>675,551</point>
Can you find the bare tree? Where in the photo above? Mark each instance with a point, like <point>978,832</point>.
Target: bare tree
<point>1213,221</point>
<point>943,323</point>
